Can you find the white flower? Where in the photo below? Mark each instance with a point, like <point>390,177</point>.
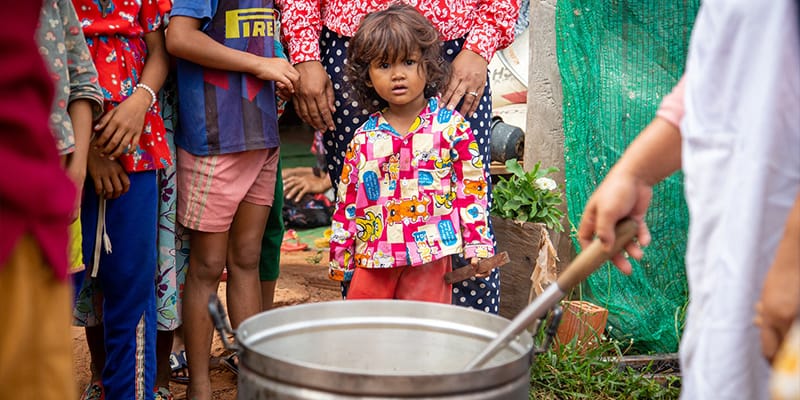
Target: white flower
<point>545,183</point>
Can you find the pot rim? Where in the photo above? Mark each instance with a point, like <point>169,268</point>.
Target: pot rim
<point>331,378</point>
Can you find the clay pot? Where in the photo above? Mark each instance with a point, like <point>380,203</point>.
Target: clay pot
<point>584,321</point>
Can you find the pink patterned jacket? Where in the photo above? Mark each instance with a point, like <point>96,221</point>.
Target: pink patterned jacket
<point>413,199</point>
<point>487,24</point>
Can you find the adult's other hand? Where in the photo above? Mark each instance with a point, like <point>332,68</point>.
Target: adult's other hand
<point>313,97</point>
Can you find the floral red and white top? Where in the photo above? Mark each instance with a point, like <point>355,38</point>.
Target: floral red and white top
<point>114,35</point>
<point>487,24</point>
<point>410,199</point>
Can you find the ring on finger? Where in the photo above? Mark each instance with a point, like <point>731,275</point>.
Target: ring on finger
<point>473,94</point>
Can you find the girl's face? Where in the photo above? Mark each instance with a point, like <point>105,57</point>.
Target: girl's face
<point>400,82</point>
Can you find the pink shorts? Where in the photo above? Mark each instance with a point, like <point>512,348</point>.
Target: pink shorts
<point>423,283</point>
<point>210,188</point>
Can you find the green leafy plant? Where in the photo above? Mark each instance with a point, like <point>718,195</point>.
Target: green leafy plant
<point>528,196</point>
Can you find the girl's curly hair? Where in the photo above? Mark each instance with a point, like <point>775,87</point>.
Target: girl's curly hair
<point>387,36</point>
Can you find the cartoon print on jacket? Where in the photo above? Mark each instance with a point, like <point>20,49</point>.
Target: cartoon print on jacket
<point>370,227</point>
<point>443,166</point>
<point>338,233</point>
<point>474,187</point>
<point>362,260</point>
<point>475,152</point>
<point>420,156</point>
<point>444,200</point>
<point>437,207</point>
<point>410,210</point>
<point>382,260</point>
<point>346,170</point>
<point>338,273</point>
<point>423,244</point>
<point>391,169</point>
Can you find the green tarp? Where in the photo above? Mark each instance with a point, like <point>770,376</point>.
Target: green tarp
<point>618,59</point>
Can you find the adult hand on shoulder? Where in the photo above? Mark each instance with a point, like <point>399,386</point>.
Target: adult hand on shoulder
<point>467,82</point>
<point>620,195</point>
<point>110,179</point>
<point>313,99</point>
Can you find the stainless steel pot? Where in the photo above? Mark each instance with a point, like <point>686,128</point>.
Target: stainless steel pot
<point>377,349</point>
<point>394,349</point>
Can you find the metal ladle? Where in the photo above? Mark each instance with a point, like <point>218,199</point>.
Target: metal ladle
<point>581,267</point>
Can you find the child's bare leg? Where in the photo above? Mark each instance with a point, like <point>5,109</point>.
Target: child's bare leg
<point>97,350</point>
<point>206,261</point>
<point>163,349</point>
<point>177,340</point>
<point>244,250</point>
<point>267,294</point>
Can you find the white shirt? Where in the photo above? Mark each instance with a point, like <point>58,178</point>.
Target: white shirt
<point>741,159</point>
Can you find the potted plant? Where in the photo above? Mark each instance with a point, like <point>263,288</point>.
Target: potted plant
<point>525,207</point>
<point>528,196</point>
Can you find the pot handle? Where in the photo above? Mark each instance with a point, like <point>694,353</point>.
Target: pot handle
<point>220,319</point>
<point>593,255</point>
<point>586,262</point>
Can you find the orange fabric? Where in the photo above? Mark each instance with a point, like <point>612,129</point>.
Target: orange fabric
<point>424,283</point>
<point>36,355</point>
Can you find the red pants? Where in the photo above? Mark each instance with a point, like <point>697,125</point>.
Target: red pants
<point>424,282</point>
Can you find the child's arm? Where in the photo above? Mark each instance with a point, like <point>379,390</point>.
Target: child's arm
<point>187,41</point>
<point>80,113</point>
<point>342,250</point>
<point>472,198</point>
<point>121,127</point>
<point>85,96</point>
<point>109,178</point>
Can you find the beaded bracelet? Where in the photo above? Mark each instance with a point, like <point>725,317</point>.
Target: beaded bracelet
<point>149,90</point>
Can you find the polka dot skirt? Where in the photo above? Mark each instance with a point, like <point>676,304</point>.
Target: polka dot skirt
<point>482,294</point>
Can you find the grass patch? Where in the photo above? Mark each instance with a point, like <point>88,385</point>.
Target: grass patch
<point>564,373</point>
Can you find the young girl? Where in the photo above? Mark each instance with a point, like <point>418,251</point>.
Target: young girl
<point>227,156</point>
<point>411,194</point>
<point>119,212</point>
<point>78,100</point>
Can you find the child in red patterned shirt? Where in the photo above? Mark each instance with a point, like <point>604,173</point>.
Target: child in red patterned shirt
<point>120,201</point>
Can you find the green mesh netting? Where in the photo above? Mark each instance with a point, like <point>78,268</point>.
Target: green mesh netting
<point>617,60</point>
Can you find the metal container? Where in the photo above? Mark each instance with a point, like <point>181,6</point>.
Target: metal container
<point>507,142</point>
<point>508,72</point>
<point>378,349</point>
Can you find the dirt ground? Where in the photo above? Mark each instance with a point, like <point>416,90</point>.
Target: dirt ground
<point>303,279</point>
